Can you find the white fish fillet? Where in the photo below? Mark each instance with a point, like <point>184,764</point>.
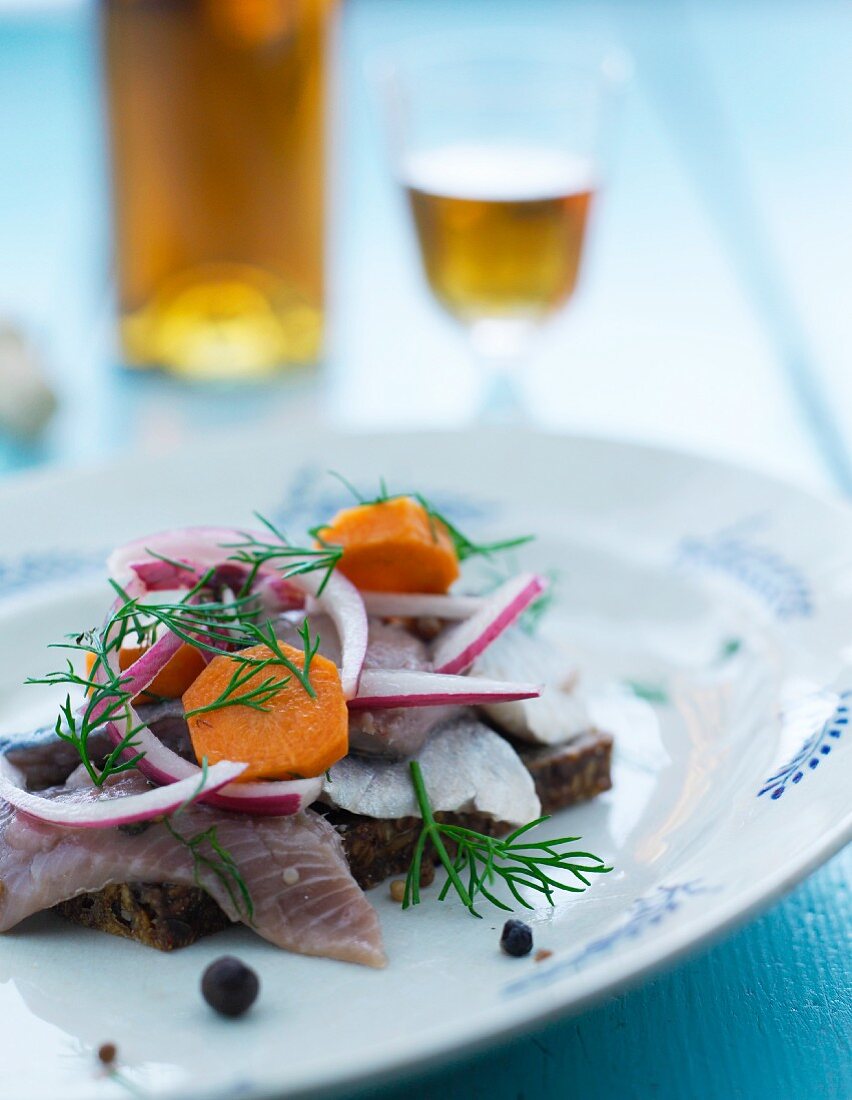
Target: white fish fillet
<point>323,913</point>
<point>466,767</point>
<point>396,731</point>
<point>389,645</point>
<point>559,713</point>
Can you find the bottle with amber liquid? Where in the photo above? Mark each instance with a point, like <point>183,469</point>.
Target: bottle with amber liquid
<point>217,132</point>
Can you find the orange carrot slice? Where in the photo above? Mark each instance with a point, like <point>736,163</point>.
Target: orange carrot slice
<point>393,546</point>
<point>170,682</point>
<point>295,736</point>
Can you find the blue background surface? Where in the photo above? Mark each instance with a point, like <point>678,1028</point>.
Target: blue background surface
<point>715,315</point>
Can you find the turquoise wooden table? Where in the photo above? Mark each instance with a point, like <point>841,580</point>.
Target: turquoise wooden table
<point>715,316</point>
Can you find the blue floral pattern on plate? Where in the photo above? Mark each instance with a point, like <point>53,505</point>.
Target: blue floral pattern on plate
<point>782,586</point>
<point>644,913</point>
<point>814,750</point>
<point>42,566</point>
<point>311,497</point>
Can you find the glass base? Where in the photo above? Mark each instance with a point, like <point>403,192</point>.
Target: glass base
<point>223,323</point>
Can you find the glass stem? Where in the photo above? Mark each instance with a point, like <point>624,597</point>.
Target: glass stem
<point>500,347</point>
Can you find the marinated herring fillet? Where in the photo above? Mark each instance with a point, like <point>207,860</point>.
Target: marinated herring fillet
<point>559,713</point>
<point>396,732</point>
<point>468,768</point>
<point>172,916</point>
<point>563,776</point>
<point>304,897</point>
<point>46,761</point>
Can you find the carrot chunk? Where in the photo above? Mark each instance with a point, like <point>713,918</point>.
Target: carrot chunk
<point>170,682</point>
<point>393,546</point>
<point>293,736</point>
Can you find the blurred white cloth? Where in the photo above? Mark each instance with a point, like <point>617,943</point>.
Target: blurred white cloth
<point>27,401</point>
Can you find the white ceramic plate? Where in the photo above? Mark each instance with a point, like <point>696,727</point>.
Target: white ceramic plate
<point>710,609</point>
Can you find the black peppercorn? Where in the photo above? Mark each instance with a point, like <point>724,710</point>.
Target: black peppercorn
<point>229,986</point>
<point>516,938</point>
<point>107,1053</point>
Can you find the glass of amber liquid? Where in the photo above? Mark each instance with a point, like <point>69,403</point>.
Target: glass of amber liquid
<point>216,113</point>
<point>498,150</point>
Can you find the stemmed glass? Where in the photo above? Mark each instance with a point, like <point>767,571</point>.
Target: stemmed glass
<point>498,147</point>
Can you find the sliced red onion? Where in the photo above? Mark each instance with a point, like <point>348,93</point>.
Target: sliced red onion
<point>145,669</point>
<point>276,593</point>
<point>416,605</point>
<point>208,547</point>
<point>198,547</point>
<point>160,576</point>
<point>105,813</point>
<point>342,602</point>
<point>458,647</point>
<point>268,797</point>
<point>382,687</point>
<point>139,675</point>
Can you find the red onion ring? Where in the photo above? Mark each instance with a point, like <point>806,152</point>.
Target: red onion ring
<point>381,687</point>
<point>417,605</point>
<point>106,813</point>
<point>206,548</point>
<point>458,648</point>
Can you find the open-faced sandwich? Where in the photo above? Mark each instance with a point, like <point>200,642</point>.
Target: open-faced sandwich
<point>260,731</point>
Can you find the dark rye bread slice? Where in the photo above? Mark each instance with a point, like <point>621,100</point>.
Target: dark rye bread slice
<point>563,775</point>
<point>159,915</point>
<point>171,916</point>
<point>571,773</point>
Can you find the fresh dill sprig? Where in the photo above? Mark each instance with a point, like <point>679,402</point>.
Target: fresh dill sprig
<point>464,546</point>
<point>289,560</point>
<point>220,863</point>
<point>265,635</point>
<point>256,696</point>
<point>202,779</point>
<point>311,648</point>
<point>105,702</point>
<point>105,690</point>
<point>531,618</point>
<point>132,622</point>
<point>478,862</point>
<point>170,561</point>
<point>212,626</point>
<point>228,626</point>
<point>648,692</point>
